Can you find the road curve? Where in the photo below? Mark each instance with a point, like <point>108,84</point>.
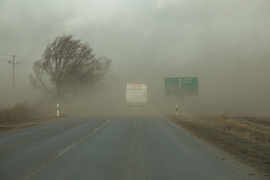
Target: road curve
<point>115,148</point>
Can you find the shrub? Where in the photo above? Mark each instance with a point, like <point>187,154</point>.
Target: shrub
<point>15,114</point>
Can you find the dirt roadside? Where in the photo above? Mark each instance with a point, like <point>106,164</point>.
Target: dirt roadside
<point>30,123</point>
<point>244,138</point>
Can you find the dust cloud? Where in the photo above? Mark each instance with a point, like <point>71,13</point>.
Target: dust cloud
<point>223,43</point>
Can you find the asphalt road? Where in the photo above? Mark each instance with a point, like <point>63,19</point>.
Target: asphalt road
<point>114,148</point>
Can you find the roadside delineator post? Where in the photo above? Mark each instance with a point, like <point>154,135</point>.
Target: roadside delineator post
<point>57,110</point>
<point>176,110</point>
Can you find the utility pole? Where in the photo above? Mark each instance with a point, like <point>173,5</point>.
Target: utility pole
<point>13,68</point>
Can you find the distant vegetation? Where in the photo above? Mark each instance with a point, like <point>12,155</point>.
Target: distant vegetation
<point>15,114</point>
<point>23,115</point>
<point>67,66</point>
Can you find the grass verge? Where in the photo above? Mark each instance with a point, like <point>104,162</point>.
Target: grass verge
<point>20,116</point>
<point>246,139</point>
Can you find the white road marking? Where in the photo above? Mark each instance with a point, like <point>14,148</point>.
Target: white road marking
<point>65,150</point>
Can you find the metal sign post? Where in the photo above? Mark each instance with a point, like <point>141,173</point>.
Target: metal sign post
<point>181,87</point>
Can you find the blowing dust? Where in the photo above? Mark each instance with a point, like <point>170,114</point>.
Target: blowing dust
<point>223,43</point>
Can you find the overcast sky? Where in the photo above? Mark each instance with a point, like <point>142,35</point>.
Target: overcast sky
<point>226,43</point>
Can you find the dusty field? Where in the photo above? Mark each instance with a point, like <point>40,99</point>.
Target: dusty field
<point>245,138</point>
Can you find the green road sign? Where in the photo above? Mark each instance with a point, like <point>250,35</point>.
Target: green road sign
<point>181,86</point>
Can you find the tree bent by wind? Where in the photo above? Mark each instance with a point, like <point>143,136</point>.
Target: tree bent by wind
<point>67,66</point>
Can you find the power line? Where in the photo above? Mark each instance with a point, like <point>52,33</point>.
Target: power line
<point>3,59</point>
<point>17,57</point>
<point>24,64</point>
<point>6,54</point>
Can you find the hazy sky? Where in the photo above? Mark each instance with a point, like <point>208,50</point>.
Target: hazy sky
<point>226,43</point>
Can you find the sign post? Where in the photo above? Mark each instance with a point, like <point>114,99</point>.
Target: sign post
<point>181,87</point>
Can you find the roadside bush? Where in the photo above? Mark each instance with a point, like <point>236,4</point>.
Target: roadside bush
<point>222,116</point>
<point>15,114</point>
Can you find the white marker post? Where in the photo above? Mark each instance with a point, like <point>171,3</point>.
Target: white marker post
<point>57,110</point>
<point>176,110</point>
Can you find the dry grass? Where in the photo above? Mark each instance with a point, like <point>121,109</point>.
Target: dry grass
<point>252,132</point>
<point>20,116</point>
<point>15,114</point>
<point>247,139</point>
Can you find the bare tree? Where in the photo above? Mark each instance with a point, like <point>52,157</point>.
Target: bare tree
<point>67,65</point>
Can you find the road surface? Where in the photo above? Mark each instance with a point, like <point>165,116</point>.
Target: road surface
<point>114,148</point>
